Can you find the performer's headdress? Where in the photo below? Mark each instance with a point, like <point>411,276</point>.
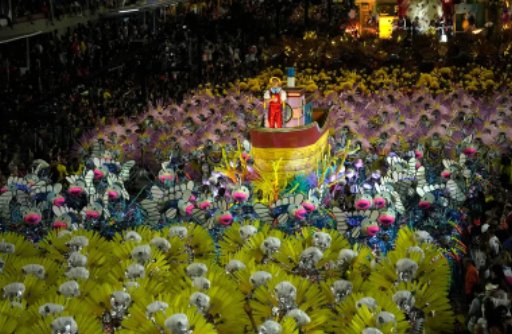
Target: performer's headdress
<point>272,79</point>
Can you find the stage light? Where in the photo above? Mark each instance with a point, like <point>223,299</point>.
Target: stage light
<point>386,26</point>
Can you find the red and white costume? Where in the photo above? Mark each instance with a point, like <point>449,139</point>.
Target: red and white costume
<point>276,97</point>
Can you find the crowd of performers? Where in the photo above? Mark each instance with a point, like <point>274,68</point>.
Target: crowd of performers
<point>365,200</point>
<point>411,198</point>
<point>368,205</point>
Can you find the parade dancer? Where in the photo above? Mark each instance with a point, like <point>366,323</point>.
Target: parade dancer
<point>275,96</point>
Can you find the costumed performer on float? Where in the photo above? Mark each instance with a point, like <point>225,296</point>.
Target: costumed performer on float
<point>275,97</point>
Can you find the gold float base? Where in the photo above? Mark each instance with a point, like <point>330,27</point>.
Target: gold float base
<point>293,161</point>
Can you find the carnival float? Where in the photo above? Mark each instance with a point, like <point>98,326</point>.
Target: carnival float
<point>347,221</point>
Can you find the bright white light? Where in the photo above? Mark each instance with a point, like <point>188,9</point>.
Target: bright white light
<point>129,10</point>
<point>444,38</point>
<point>426,11</point>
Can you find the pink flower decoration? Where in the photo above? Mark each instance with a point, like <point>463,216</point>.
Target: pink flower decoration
<point>59,201</point>
<point>363,204</point>
<point>446,174</point>
<point>239,196</point>
<point>92,214</point>
<point>166,177</point>
<point>205,205</point>
<point>226,219</point>
<point>425,204</point>
<point>418,154</point>
<point>470,151</point>
<point>372,230</point>
<point>75,190</point>
<point>112,194</point>
<point>308,206</point>
<point>300,213</point>
<point>189,208</point>
<point>386,219</point>
<point>59,224</point>
<point>379,202</point>
<point>98,174</point>
<point>32,219</point>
